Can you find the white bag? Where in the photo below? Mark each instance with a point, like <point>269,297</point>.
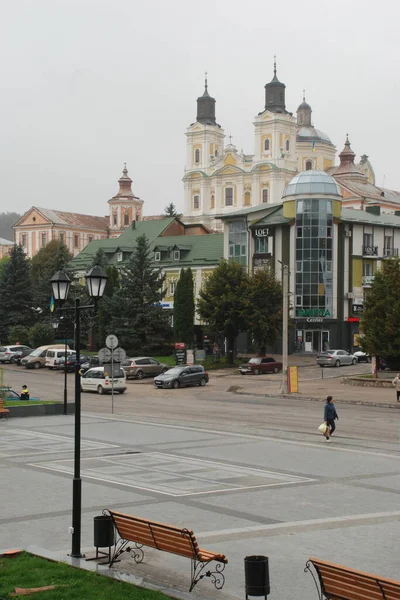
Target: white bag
<point>323,427</point>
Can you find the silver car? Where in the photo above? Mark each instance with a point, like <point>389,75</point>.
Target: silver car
<point>336,358</point>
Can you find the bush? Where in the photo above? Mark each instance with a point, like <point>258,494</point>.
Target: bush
<point>41,334</point>
<point>18,334</point>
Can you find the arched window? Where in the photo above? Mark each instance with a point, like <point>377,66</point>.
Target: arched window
<point>266,145</point>
<point>309,165</point>
<point>265,195</point>
<point>126,218</point>
<point>287,145</point>
<point>115,219</point>
<point>197,155</point>
<point>228,196</point>
<point>212,201</point>
<point>196,202</point>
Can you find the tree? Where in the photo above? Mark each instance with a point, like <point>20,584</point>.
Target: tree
<point>184,307</point>
<point>264,309</point>
<point>100,259</point>
<point>41,334</point>
<point>222,302</point>
<point>170,210</point>
<point>3,262</point>
<point>137,317</point>
<point>105,311</point>
<point>15,293</point>
<point>380,320</point>
<point>20,334</point>
<point>55,256</point>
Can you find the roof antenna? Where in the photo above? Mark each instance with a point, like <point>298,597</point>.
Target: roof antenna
<point>274,65</point>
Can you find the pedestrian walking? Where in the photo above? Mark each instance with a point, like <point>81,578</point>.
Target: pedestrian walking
<point>330,415</point>
<point>396,383</point>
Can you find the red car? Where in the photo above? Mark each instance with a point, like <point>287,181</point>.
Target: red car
<point>262,364</point>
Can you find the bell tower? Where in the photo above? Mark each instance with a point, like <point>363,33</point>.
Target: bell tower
<point>125,207</point>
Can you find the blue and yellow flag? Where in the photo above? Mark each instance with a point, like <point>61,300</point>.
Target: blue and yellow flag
<point>313,146</point>
<point>52,304</point>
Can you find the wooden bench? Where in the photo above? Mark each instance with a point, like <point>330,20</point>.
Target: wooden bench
<point>341,583</point>
<point>3,411</point>
<point>141,532</point>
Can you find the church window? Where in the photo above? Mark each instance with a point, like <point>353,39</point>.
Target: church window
<point>247,199</point>
<point>43,239</point>
<point>24,239</point>
<point>309,165</point>
<point>229,196</point>
<point>212,201</point>
<point>197,156</point>
<point>76,240</point>
<point>216,152</point>
<point>196,202</point>
<point>115,219</point>
<point>287,145</point>
<point>266,145</point>
<point>126,218</point>
<point>62,237</point>
<point>265,195</point>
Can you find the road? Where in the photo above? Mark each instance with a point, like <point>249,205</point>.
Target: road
<point>249,474</point>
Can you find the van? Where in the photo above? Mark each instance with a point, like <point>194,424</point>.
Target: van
<point>98,380</point>
<point>37,358</point>
<point>54,356</point>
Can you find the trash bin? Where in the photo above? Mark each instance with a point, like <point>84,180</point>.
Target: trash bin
<point>256,573</point>
<point>103,533</point>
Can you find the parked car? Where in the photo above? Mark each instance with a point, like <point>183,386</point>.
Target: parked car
<point>91,361</point>
<point>54,357</point>
<point>71,362</point>
<point>362,356</point>
<point>37,358</point>
<point>12,354</point>
<point>144,366</point>
<point>181,377</point>
<point>336,358</point>
<point>262,364</point>
<point>98,380</point>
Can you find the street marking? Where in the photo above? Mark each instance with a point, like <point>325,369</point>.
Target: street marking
<point>21,442</point>
<point>174,475</point>
<point>328,447</point>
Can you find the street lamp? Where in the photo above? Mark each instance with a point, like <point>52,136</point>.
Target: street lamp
<point>96,280</point>
<point>55,323</point>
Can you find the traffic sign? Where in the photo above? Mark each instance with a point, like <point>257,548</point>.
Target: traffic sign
<point>104,355</point>
<point>119,354</point>
<point>112,342</point>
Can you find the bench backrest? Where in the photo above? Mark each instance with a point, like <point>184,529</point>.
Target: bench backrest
<point>156,535</point>
<point>2,404</point>
<point>342,583</point>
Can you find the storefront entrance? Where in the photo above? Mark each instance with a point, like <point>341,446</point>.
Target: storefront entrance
<point>312,340</point>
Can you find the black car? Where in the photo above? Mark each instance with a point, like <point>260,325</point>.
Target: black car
<point>90,363</point>
<point>181,377</point>
<point>71,362</point>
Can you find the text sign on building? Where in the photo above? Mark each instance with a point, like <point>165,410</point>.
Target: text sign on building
<point>313,312</point>
<point>262,232</point>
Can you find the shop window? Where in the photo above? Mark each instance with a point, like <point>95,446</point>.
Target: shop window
<point>238,241</point>
<point>261,245</point>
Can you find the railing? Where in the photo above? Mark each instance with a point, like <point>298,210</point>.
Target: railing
<point>370,250</point>
<point>390,252</point>
<point>368,280</point>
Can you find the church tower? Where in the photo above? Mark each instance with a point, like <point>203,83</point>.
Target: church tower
<point>205,144</point>
<point>125,207</point>
<point>314,148</point>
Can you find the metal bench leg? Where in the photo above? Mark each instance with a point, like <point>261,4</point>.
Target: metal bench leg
<point>318,583</point>
<point>217,577</point>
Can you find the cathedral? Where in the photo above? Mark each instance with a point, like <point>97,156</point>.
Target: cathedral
<point>219,179</point>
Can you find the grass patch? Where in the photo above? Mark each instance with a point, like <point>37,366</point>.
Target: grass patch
<point>29,402</point>
<point>28,571</point>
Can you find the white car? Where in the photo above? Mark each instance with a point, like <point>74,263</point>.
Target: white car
<point>362,356</point>
<point>98,380</point>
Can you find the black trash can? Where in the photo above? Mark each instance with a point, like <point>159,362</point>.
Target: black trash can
<point>103,533</point>
<point>256,573</point>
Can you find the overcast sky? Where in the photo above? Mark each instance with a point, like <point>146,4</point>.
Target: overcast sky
<point>89,84</point>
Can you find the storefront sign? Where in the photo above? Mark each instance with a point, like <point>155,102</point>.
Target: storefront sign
<point>314,319</point>
<point>357,308</point>
<point>353,320</point>
<point>313,312</point>
<point>261,232</point>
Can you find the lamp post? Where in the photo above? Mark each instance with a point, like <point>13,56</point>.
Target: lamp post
<point>96,280</point>
<point>55,323</point>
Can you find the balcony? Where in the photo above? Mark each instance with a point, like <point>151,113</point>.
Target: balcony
<point>370,251</point>
<point>390,252</point>
<point>368,280</point>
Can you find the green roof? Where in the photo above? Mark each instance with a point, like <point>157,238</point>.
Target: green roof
<point>352,215</point>
<point>198,250</point>
<point>249,210</point>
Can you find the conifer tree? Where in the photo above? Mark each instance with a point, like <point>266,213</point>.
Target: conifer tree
<point>16,305</point>
<point>184,308</point>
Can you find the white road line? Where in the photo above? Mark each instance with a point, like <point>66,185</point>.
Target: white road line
<point>328,447</point>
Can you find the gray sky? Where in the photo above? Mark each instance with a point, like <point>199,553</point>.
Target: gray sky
<point>89,84</point>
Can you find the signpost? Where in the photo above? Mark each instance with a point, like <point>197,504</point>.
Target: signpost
<point>113,356</point>
<point>180,353</point>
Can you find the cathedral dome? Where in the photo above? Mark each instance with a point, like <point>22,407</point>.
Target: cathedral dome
<point>310,133</point>
<point>312,182</point>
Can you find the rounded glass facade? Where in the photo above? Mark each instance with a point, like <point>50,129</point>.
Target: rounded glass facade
<point>312,182</point>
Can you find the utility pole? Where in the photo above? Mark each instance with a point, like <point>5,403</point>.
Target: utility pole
<point>285,327</point>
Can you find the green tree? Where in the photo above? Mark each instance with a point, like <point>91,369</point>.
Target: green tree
<point>105,311</point>
<point>100,259</point>
<point>3,262</point>
<point>264,309</point>
<point>16,306</point>
<point>19,333</point>
<point>222,302</point>
<point>55,256</point>
<point>41,334</point>
<point>380,320</point>
<point>137,317</point>
<point>184,308</point>
<point>170,210</point>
